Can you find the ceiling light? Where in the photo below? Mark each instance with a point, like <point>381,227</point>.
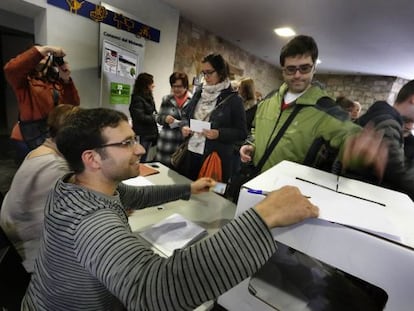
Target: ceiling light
<point>318,61</point>
<point>285,32</point>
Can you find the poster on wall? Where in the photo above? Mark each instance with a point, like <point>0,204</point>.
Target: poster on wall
<point>120,93</point>
<point>119,70</point>
<point>120,58</point>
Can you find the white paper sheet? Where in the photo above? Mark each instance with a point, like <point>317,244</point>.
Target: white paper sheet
<point>172,233</point>
<point>138,181</point>
<point>198,126</point>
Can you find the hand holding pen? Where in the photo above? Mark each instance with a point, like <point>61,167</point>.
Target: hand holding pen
<point>284,207</point>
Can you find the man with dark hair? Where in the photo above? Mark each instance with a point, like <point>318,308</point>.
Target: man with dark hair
<point>319,121</point>
<point>396,122</point>
<point>90,260</point>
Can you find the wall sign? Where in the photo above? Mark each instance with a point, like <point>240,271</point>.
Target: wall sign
<point>100,14</point>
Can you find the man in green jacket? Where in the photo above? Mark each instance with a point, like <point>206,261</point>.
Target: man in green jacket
<point>320,120</point>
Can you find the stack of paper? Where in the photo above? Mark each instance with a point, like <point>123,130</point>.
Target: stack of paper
<point>172,233</point>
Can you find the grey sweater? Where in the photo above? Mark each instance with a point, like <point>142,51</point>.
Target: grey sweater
<point>90,260</point>
<point>23,207</point>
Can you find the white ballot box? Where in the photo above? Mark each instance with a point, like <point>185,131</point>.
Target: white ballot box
<point>364,235</point>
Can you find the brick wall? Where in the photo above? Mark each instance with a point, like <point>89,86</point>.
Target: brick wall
<point>365,89</point>
<point>194,43</point>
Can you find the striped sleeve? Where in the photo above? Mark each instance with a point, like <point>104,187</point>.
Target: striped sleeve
<point>142,197</point>
<point>145,281</point>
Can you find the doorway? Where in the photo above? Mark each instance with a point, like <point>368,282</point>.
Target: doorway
<point>12,42</point>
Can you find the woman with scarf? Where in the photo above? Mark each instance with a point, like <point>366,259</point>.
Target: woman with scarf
<point>218,104</point>
<point>143,112</point>
<point>170,116</point>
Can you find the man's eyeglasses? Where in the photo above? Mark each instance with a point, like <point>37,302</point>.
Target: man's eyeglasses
<point>303,69</point>
<point>208,73</point>
<point>131,142</point>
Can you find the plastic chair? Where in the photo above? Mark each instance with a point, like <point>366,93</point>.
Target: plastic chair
<point>13,276</point>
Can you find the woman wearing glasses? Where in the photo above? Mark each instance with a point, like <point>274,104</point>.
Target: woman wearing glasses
<point>220,106</point>
<point>170,116</point>
<point>143,112</point>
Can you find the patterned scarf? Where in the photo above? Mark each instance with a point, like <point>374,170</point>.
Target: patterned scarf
<point>205,106</point>
<point>208,100</point>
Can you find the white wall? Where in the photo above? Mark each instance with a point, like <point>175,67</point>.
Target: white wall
<point>17,22</point>
<point>79,36</point>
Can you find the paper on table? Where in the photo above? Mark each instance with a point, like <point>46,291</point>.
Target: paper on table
<point>199,126</point>
<point>137,181</point>
<point>172,233</point>
<point>345,209</point>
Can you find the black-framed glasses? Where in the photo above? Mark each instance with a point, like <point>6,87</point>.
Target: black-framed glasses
<point>131,142</point>
<point>303,69</point>
<point>208,72</point>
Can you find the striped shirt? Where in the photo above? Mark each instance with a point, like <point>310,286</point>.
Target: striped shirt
<point>90,260</point>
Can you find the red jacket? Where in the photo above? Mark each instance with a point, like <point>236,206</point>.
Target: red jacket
<point>35,96</point>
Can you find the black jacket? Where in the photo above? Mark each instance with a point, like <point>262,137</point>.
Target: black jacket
<point>398,174</point>
<point>143,113</point>
<point>229,118</point>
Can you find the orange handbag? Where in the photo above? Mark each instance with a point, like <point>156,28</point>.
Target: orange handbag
<point>211,167</point>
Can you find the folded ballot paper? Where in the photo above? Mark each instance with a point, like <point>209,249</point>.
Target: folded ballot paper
<point>172,233</point>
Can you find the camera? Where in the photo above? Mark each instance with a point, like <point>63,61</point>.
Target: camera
<point>58,61</point>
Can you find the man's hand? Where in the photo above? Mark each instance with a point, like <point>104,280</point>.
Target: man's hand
<point>368,148</point>
<point>284,207</point>
<point>202,185</point>
<point>246,153</point>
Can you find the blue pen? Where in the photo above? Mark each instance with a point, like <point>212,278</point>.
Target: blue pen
<point>262,192</point>
<point>254,191</point>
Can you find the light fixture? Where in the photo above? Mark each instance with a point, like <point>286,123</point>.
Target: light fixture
<point>285,32</point>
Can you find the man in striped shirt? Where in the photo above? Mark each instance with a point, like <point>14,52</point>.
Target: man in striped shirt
<point>90,260</point>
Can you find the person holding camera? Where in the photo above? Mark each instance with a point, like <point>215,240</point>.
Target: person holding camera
<point>40,79</point>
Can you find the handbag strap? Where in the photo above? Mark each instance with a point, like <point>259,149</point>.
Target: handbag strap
<point>55,97</point>
<point>279,135</point>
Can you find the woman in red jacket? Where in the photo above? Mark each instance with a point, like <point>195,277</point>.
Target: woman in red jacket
<point>40,79</point>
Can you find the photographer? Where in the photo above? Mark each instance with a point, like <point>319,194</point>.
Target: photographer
<point>40,79</point>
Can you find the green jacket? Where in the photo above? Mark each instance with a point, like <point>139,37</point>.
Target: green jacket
<point>318,119</point>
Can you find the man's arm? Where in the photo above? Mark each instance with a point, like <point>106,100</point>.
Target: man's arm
<point>143,280</point>
<point>142,197</point>
<point>397,173</point>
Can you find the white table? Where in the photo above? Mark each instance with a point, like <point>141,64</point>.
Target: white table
<point>209,210</point>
